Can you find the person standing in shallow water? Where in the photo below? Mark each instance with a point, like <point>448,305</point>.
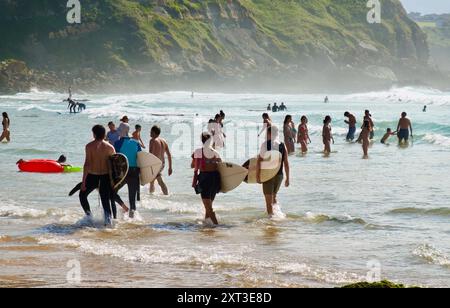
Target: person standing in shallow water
<point>6,122</point>
<point>206,181</point>
<point>272,187</point>
<point>351,126</point>
<point>130,148</point>
<point>403,128</point>
<point>327,135</point>
<point>96,173</point>
<point>289,134</point>
<point>365,138</point>
<point>303,134</point>
<point>160,149</point>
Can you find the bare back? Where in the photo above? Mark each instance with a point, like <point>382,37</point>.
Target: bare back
<point>158,148</point>
<point>404,123</point>
<point>97,157</point>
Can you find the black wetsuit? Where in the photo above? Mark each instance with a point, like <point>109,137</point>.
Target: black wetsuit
<point>102,182</point>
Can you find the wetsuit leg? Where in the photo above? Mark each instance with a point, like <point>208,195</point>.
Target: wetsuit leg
<point>133,186</point>
<point>105,194</point>
<point>92,183</point>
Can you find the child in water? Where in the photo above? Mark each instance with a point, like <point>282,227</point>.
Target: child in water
<point>137,136</point>
<point>388,134</point>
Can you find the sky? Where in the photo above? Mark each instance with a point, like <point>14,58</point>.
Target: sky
<point>427,6</point>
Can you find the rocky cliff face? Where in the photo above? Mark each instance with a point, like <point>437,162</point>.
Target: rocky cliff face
<point>296,44</point>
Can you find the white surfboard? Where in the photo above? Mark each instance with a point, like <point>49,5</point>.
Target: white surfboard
<point>270,167</point>
<point>231,176</point>
<point>150,166</point>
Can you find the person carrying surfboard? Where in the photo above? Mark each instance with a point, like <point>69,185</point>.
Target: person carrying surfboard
<point>96,173</point>
<point>160,149</point>
<point>130,148</point>
<point>206,181</point>
<point>272,187</point>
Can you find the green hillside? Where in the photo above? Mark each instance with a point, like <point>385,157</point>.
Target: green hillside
<point>157,41</point>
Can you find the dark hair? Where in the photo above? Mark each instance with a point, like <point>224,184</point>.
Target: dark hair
<point>138,127</point>
<point>265,115</point>
<point>404,114</point>
<point>5,115</point>
<point>222,114</point>
<point>211,121</point>
<point>217,117</point>
<point>304,118</point>
<point>368,113</point>
<point>205,137</point>
<point>62,159</point>
<point>346,114</point>
<point>111,123</point>
<point>286,119</point>
<point>389,130</point>
<point>156,129</point>
<point>99,132</point>
<point>327,119</point>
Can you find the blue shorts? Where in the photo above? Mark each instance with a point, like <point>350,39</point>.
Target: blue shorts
<point>403,134</point>
<point>351,133</point>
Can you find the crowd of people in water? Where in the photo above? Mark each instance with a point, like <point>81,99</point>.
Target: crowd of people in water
<point>206,178</point>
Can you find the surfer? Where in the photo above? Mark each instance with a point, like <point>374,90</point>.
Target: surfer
<point>290,133</point>
<point>283,107</point>
<point>272,187</point>
<point>388,134</point>
<point>6,123</point>
<point>96,172</point>
<point>137,135</point>
<point>160,149</point>
<point>72,105</point>
<point>365,137</point>
<point>303,134</point>
<point>113,135</point>
<point>403,128</point>
<point>351,126</point>
<point>206,181</point>
<point>327,135</point>
<point>130,148</point>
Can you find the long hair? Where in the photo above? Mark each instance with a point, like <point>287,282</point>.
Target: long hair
<point>5,115</point>
<point>287,119</point>
<point>327,120</point>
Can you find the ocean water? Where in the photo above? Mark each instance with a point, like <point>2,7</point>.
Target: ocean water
<point>348,219</point>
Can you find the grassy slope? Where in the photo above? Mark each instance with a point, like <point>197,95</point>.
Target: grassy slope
<point>124,33</point>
